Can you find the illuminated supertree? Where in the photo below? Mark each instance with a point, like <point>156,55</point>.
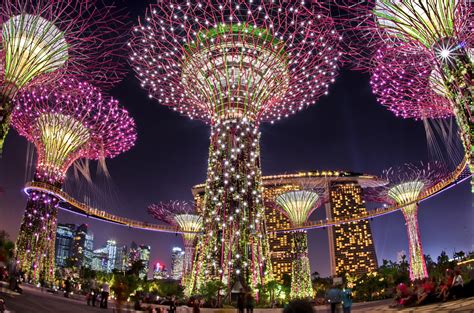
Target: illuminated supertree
<point>43,40</point>
<point>406,82</point>
<point>183,215</point>
<point>67,121</point>
<point>405,185</point>
<point>235,65</point>
<point>442,32</point>
<point>298,206</point>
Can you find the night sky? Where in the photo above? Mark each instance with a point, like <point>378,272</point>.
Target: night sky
<point>346,130</point>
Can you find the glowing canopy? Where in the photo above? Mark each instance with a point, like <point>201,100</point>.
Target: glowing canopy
<point>298,205</point>
<point>424,20</point>
<point>406,192</point>
<point>33,46</point>
<point>61,135</point>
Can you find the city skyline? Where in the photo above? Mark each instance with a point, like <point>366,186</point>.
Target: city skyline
<point>357,133</point>
<point>386,245</point>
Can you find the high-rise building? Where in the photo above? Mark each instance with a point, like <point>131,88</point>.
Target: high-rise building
<point>280,243</point>
<point>112,254</point>
<point>351,245</point>
<point>144,257</point>
<point>64,243</point>
<point>134,254</point>
<point>160,271</point>
<point>88,250</point>
<point>82,247</point>
<point>100,260</point>
<point>177,263</point>
<point>121,260</point>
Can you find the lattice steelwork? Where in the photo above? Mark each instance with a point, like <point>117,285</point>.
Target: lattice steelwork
<point>406,184</point>
<point>75,121</point>
<point>183,215</point>
<point>298,206</point>
<point>44,40</point>
<point>439,36</point>
<point>351,245</point>
<point>235,65</point>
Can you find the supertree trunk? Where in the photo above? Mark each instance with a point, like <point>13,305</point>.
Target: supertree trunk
<point>234,244</point>
<point>417,259</point>
<point>301,286</point>
<point>457,70</point>
<point>187,266</point>
<point>36,240</point>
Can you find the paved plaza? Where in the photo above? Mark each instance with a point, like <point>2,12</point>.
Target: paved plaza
<point>35,301</point>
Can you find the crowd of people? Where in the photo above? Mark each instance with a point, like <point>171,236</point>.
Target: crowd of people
<point>428,290</point>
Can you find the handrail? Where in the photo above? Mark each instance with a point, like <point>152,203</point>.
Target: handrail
<point>103,215</point>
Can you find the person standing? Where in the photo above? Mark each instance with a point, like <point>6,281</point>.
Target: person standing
<point>241,301</point>
<point>249,302</point>
<point>346,299</point>
<point>334,297</point>
<point>104,295</point>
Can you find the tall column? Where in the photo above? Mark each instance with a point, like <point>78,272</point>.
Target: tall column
<point>233,246</point>
<point>417,259</point>
<point>35,243</point>
<point>301,285</point>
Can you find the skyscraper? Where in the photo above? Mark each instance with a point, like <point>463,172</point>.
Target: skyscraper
<point>100,260</point>
<point>351,246</point>
<point>177,263</point>
<point>144,257</point>
<point>88,250</point>
<point>112,254</point>
<point>121,260</point>
<point>82,247</point>
<point>134,254</point>
<point>63,243</point>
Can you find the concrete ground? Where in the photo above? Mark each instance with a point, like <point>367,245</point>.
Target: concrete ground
<point>33,300</point>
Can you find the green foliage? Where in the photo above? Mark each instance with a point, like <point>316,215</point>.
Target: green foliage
<point>211,289</point>
<point>6,248</point>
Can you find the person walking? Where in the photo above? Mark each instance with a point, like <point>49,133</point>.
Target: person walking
<point>249,302</point>
<point>67,287</point>
<point>346,299</point>
<point>104,297</point>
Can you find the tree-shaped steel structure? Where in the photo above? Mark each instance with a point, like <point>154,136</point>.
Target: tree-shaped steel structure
<point>43,40</point>
<point>183,215</point>
<point>405,185</point>
<point>235,65</point>
<point>297,206</point>
<point>67,121</point>
<point>440,35</point>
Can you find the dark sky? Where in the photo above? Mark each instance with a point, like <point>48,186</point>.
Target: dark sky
<point>346,130</point>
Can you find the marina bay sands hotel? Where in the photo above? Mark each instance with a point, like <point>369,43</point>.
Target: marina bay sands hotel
<point>351,245</point>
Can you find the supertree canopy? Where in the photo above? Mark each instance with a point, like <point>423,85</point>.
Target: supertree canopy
<point>183,215</point>
<point>43,40</point>
<point>406,82</point>
<point>234,65</point>
<point>442,31</point>
<point>298,206</point>
<point>405,185</point>
<point>67,121</point>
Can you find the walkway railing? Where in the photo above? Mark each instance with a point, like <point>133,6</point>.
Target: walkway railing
<point>71,204</point>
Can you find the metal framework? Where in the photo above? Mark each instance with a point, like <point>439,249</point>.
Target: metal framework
<point>440,32</point>
<point>406,185</point>
<point>43,40</point>
<point>298,206</point>
<point>235,65</point>
<point>183,215</point>
<point>75,121</point>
